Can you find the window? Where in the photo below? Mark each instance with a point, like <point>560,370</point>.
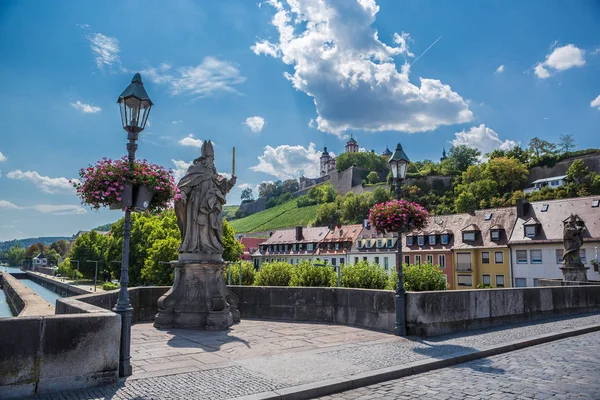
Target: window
<point>488,217</point>
<point>379,243</point>
<point>431,239</point>
<point>421,240</point>
<point>292,261</point>
<point>559,255</point>
<point>582,256</point>
<point>442,260</point>
<point>409,240</point>
<point>485,257</point>
<point>521,256</point>
<point>355,260</point>
<point>364,258</point>
<point>463,261</point>
<point>545,206</point>
<point>469,236</point>
<point>596,203</point>
<point>377,260</point>
<point>389,243</point>
<point>499,280</point>
<point>337,246</point>
<point>417,260</point>
<point>309,246</point>
<point>495,234</point>
<point>297,261</point>
<point>295,247</point>
<point>520,282</point>
<point>486,280</point>
<point>536,256</point>
<point>498,257</point>
<point>465,280</point>
<point>406,259</point>
<point>385,263</point>
<point>333,261</point>
<point>444,238</point>
<point>530,231</point>
<point>536,282</point>
<point>342,261</point>
<point>430,258</point>
<point>359,244</point>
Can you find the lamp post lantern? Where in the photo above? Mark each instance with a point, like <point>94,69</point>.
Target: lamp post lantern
<point>135,105</point>
<point>398,163</point>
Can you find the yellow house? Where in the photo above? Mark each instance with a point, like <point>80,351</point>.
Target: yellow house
<point>481,254</point>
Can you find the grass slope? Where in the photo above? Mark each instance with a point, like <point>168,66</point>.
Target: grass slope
<point>283,216</point>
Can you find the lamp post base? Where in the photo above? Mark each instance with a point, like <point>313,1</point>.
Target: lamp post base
<point>125,368</point>
<point>198,298</point>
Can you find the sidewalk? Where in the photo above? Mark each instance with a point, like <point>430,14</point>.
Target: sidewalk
<point>276,360</point>
<point>85,286</point>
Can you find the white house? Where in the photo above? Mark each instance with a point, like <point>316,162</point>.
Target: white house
<point>553,182</point>
<point>536,243</point>
<point>39,261</point>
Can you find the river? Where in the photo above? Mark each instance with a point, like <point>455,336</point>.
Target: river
<point>44,293</point>
<point>4,307</point>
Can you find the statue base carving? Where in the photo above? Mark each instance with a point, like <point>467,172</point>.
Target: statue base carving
<point>198,298</point>
<point>574,272</point>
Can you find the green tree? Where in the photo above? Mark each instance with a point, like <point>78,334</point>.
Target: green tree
<point>462,156</point>
<point>465,202</point>
<point>329,214</point>
<point>578,173</point>
<point>373,177</point>
<point>508,173</point>
<point>90,246</point>
<point>66,269</point>
<point>61,247</point>
<point>364,275</point>
<point>52,256</point>
<point>247,195</point>
<point>274,274</point>
<point>232,248</point>
<point>156,270</point>
<point>539,147</point>
<point>233,270</point>
<point>566,143</point>
<point>15,255</point>
<point>367,160</point>
<point>381,195</point>
<point>290,186</point>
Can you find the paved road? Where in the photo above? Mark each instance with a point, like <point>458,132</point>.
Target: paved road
<point>565,369</point>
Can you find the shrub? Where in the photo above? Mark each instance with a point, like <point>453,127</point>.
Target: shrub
<point>306,274</point>
<point>65,269</point>
<point>110,286</point>
<point>419,278</point>
<point>274,274</point>
<point>239,214</point>
<point>364,275</point>
<point>248,273</point>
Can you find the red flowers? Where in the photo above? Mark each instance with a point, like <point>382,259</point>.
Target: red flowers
<point>398,216</point>
<point>103,184</point>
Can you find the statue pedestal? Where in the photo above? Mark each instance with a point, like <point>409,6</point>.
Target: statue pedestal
<point>574,272</point>
<point>198,298</point>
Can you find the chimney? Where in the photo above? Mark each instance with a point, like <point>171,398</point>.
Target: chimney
<point>366,224</point>
<point>299,236</point>
<point>270,234</point>
<point>522,208</point>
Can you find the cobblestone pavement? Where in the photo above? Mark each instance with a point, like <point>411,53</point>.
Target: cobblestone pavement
<point>565,369</point>
<point>257,356</point>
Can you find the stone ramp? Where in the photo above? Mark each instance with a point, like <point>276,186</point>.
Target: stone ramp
<point>267,359</point>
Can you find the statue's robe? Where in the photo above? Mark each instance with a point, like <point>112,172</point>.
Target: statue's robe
<point>199,214</point>
<point>573,240</point>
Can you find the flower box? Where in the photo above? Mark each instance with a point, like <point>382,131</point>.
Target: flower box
<point>398,216</point>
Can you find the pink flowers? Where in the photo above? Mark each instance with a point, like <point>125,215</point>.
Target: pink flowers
<point>104,183</point>
<point>398,216</point>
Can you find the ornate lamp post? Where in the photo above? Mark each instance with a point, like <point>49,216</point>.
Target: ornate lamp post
<point>398,163</point>
<point>135,107</point>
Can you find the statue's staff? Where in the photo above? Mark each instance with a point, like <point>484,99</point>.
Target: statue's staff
<point>233,163</point>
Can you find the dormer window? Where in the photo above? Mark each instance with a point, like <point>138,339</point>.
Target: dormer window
<point>596,203</point>
<point>530,230</point>
<point>287,248</point>
<point>495,235</point>
<point>432,240</point>
<point>444,238</point>
<point>337,246</point>
<point>421,240</point>
<point>359,244</point>
<point>409,240</point>
<point>309,247</point>
<point>468,236</point>
<point>379,243</point>
<point>389,243</point>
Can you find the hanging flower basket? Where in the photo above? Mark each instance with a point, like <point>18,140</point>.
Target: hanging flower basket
<point>110,183</point>
<point>595,264</point>
<point>398,216</point>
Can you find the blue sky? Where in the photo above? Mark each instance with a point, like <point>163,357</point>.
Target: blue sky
<point>278,81</point>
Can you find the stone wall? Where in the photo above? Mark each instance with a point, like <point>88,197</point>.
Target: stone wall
<point>437,313</point>
<point>58,352</point>
<point>592,161</point>
<point>374,309</point>
<point>60,288</point>
<point>22,300</point>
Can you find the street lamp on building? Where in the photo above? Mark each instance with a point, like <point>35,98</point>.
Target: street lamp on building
<point>398,164</point>
<point>135,105</point>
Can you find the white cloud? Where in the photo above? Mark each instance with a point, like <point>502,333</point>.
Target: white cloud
<point>500,69</point>
<point>351,75</point>
<point>244,186</point>
<point>181,168</point>
<point>287,162</point>
<point>594,103</point>
<point>205,79</point>
<point>255,123</point>
<point>86,108</point>
<point>561,59</point>
<point>8,205</point>
<point>2,157</point>
<point>106,49</point>
<point>59,209</point>
<point>483,139</point>
<point>190,140</point>
<point>47,184</point>
<point>176,122</point>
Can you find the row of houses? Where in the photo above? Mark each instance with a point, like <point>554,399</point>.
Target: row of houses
<point>502,247</point>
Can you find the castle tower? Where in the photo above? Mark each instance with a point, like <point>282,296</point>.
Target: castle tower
<point>351,146</point>
<point>325,158</point>
<point>386,153</point>
<point>443,155</point>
